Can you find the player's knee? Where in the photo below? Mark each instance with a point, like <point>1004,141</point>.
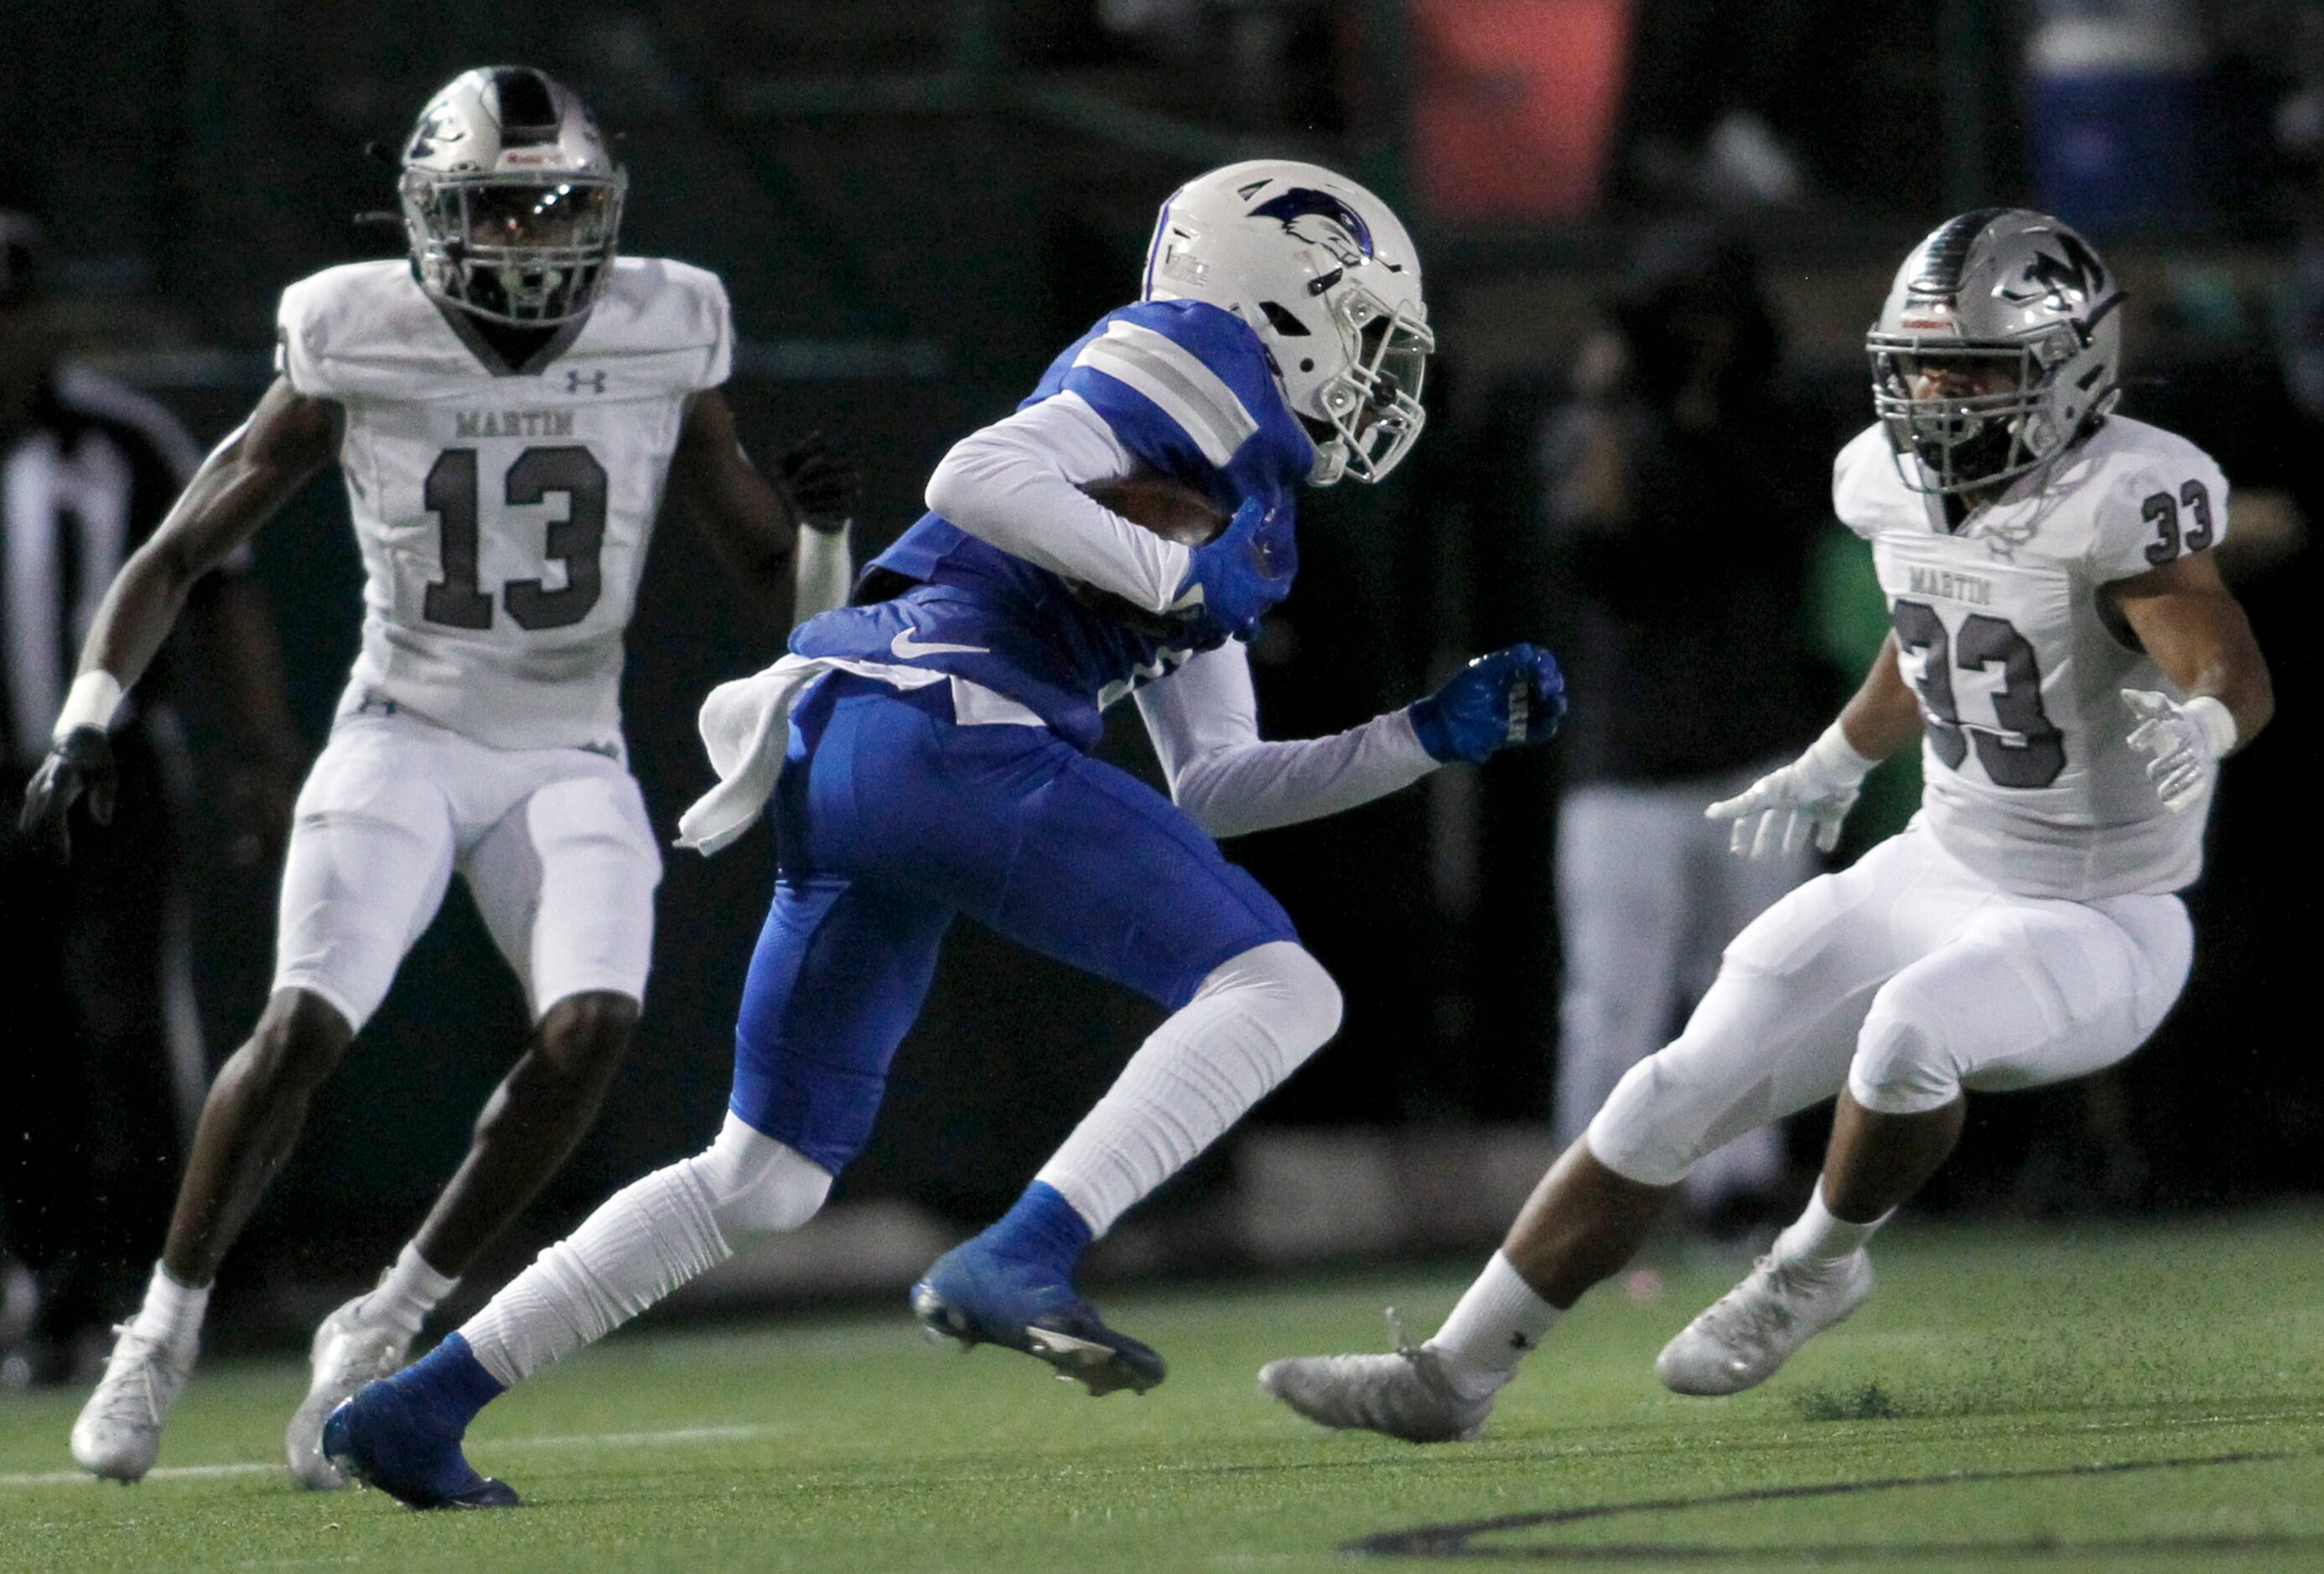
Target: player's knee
<point>583,1035</point>
<point>299,1040</point>
<point>1669,1110</point>
<point>1902,1064</point>
<point>1315,994</point>
<point>1632,1133</point>
<point>757,1185</point>
<point>1288,988</point>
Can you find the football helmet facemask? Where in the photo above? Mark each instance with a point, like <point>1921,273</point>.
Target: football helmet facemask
<point>1324,272</point>
<point>510,202</point>
<point>2000,287</point>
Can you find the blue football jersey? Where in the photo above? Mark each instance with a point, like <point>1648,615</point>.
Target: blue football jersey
<point>1187,390</point>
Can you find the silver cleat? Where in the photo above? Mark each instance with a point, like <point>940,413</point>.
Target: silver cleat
<point>348,1352</point>
<point>1742,1339</point>
<point>1406,1393</point>
<point>118,1435</point>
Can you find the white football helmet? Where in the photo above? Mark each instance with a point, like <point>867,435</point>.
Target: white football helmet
<point>1997,285</point>
<point>1322,270</point>
<point>510,202</point>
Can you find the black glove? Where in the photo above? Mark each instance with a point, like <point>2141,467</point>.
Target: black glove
<point>80,762</point>
<point>818,479</point>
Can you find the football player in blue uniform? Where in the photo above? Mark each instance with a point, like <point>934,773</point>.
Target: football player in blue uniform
<point>927,753</point>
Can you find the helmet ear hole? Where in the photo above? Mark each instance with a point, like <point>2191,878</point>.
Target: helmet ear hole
<point>1284,322</point>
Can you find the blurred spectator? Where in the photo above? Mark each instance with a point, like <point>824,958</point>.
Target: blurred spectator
<point>100,1089</point>
<point>1679,525</point>
<point>1714,110</point>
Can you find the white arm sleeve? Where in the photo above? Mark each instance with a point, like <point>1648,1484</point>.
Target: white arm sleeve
<point>1204,719</point>
<point>824,573</point>
<point>1016,485</point>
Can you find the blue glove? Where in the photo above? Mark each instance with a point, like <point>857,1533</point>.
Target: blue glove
<point>1237,575</point>
<point>1512,698</point>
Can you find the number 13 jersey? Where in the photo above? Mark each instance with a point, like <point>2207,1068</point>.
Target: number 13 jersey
<point>504,512</point>
<point>2020,660</point>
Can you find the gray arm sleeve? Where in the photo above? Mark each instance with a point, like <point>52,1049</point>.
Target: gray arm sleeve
<point>1204,719</point>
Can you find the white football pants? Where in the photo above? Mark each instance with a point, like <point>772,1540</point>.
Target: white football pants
<point>1647,897</point>
<point>1904,980</point>
<point>554,844</point>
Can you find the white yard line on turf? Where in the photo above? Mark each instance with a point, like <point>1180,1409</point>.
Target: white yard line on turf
<point>597,1440</point>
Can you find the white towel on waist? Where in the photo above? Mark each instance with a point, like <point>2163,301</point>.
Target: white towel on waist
<point>745,728</point>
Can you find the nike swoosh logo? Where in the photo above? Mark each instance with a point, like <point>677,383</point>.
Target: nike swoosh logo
<point>906,648</point>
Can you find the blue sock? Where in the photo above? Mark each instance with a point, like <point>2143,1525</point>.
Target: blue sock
<point>451,1382</point>
<point>1042,1228</point>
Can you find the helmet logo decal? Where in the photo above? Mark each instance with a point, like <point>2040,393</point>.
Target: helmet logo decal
<point>2052,278</point>
<point>1352,245</point>
<point>438,125</point>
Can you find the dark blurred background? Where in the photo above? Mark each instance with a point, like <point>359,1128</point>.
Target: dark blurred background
<point>914,203</point>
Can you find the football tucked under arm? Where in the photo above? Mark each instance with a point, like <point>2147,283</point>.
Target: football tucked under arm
<point>1016,484</point>
<point>1175,512</point>
<point>1204,719</point>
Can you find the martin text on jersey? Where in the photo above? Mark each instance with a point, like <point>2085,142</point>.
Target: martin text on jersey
<point>513,423</point>
<point>1961,587</point>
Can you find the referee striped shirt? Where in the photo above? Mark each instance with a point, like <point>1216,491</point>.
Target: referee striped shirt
<point>82,484</point>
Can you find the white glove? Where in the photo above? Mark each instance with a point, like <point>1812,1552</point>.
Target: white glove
<point>2187,742</point>
<point>1812,795</point>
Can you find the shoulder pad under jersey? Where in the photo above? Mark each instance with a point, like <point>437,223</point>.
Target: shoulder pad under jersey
<point>1183,383</point>
<point>2151,497</point>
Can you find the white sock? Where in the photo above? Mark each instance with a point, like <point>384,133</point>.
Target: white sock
<point>1498,1322</point>
<point>1251,1023</point>
<point>170,1309</point>
<point>408,1293</point>
<point>646,1240</point>
<point>1820,1235</point>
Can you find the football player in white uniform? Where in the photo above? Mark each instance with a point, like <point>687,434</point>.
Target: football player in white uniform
<point>508,406</point>
<point>2074,668</point>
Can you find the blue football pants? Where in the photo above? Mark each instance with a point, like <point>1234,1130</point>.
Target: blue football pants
<point>890,817</point>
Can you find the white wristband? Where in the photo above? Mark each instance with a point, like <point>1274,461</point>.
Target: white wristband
<point>2217,721</point>
<point>824,573</point>
<point>1838,757</point>
<point>91,702</point>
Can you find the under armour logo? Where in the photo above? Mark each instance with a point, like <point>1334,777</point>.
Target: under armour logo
<point>594,380</point>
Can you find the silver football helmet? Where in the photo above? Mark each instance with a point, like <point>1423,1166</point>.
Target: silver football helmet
<point>1324,273</point>
<point>2005,289</point>
<point>510,202</point>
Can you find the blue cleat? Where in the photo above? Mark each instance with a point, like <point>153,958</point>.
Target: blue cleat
<point>977,1296</point>
<point>403,1435</point>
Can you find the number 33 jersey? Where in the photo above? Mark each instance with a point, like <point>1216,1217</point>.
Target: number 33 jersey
<point>503,511</point>
<point>2020,660</point>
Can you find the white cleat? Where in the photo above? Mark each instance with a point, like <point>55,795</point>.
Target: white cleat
<point>1744,1337</point>
<point>1406,1393</point>
<point>348,1353</point>
<point>118,1435</point>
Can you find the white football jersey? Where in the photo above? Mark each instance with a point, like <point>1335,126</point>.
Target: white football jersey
<point>2020,662</point>
<point>504,512</point>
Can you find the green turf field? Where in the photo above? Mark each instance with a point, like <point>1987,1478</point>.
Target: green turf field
<point>2095,1398</point>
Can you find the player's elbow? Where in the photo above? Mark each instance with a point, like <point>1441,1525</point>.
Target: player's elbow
<point>978,483</point>
<point>2257,706</point>
<point>1204,789</point>
<point>957,487</point>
